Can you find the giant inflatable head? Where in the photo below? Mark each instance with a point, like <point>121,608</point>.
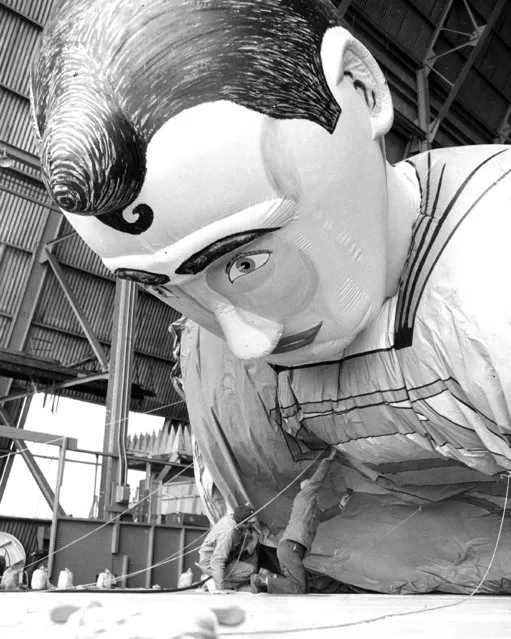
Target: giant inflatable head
<point>228,154</point>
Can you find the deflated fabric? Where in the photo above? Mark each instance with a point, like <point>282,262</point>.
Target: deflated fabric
<point>418,521</point>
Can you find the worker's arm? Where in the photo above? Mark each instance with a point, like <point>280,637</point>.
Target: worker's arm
<point>336,509</point>
<point>321,471</point>
<point>329,513</point>
<point>219,558</point>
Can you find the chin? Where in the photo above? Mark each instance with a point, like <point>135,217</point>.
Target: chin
<point>314,353</point>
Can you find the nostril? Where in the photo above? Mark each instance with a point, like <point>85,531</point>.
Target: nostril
<point>142,277</point>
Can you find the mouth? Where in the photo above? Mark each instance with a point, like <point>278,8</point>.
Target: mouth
<point>298,340</point>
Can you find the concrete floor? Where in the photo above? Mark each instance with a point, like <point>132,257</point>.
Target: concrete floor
<point>27,614</point>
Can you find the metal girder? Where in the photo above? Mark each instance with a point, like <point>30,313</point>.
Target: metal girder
<point>22,318</point>
<point>423,107</point>
<point>482,34</point>
<point>38,475</point>
<point>20,448</point>
<point>475,39</point>
<point>39,438</point>
<point>8,461</point>
<point>390,58</point>
<point>343,6</point>
<point>19,155</point>
<point>79,381</point>
<point>23,315</point>
<point>114,469</point>
<point>431,57</point>
<point>436,33</point>
<point>77,310</point>
<point>56,506</point>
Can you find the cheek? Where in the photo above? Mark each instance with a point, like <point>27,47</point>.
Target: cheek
<point>284,286</point>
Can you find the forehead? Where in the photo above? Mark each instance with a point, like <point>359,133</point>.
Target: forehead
<point>203,166</point>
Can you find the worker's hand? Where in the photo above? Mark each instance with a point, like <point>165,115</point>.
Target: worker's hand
<point>345,499</point>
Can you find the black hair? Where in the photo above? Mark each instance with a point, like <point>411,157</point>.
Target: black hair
<point>139,64</point>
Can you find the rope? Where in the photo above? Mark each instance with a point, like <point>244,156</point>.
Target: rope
<point>178,554</point>
<point>106,523</point>
<point>285,487</point>
<point>143,591</point>
<point>396,614</point>
<point>112,423</point>
<point>377,541</point>
<point>22,450</point>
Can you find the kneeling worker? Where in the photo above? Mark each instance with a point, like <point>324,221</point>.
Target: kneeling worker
<point>297,538</point>
<point>228,549</point>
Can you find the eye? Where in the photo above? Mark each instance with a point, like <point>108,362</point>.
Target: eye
<point>246,264</point>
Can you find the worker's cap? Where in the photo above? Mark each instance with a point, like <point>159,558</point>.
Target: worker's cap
<point>242,513</point>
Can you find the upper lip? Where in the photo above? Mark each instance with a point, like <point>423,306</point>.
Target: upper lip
<point>297,340</point>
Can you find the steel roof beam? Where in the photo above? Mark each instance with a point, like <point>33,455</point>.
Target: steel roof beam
<point>78,381</point>
<point>71,333</point>
<point>477,40</point>
<point>392,62</point>
<point>77,310</point>
<point>16,337</point>
<point>38,438</point>
<point>24,313</point>
<point>19,155</point>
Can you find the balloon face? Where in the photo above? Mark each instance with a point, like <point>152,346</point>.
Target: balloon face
<point>268,232</point>
<point>227,156</point>
<point>224,157</point>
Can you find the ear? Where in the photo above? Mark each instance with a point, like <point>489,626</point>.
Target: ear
<point>342,53</point>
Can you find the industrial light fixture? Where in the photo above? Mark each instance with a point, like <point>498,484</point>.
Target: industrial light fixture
<point>5,160</point>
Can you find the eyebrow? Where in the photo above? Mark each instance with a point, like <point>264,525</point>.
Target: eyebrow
<point>203,258</point>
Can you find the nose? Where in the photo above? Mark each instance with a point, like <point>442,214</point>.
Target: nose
<point>249,336</point>
<point>142,277</point>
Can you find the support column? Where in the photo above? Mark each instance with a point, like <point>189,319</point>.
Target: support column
<point>423,107</point>
<point>114,492</point>
<point>56,506</point>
